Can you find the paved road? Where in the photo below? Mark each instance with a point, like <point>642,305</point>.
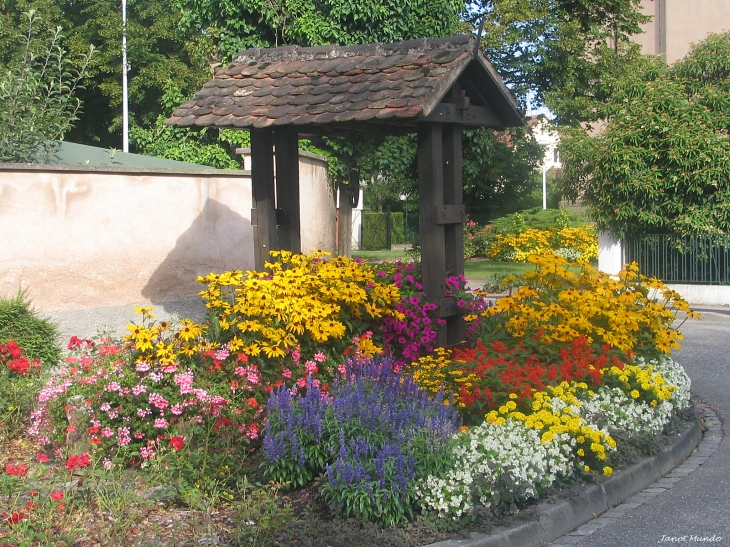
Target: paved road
<point>697,507</point>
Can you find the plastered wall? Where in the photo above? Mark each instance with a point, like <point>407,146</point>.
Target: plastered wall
<point>86,237</point>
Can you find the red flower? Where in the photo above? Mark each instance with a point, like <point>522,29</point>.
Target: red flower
<point>21,365</point>
<point>57,495</point>
<point>78,462</point>
<point>253,402</point>
<point>41,457</point>
<point>177,443</point>
<point>19,470</point>
<point>13,349</point>
<point>15,518</point>
<point>222,422</point>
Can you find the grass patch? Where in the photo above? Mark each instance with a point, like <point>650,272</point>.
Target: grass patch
<point>489,270</point>
<point>493,269</point>
<point>381,255</point>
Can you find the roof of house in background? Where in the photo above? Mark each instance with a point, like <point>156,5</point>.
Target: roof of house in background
<point>71,153</point>
<point>387,87</point>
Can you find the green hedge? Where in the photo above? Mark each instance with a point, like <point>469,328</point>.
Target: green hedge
<point>374,230</point>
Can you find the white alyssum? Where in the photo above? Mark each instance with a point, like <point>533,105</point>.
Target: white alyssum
<point>496,464</point>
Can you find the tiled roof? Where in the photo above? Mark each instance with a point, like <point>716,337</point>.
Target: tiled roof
<point>382,84</point>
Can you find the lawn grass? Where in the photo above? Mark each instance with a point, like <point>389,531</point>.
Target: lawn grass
<point>489,270</point>
<point>379,256</point>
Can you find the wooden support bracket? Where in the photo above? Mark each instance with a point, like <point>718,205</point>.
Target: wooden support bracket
<point>449,214</point>
<point>471,116</point>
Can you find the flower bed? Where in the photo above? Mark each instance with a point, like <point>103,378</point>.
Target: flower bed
<point>514,241</point>
<point>325,371</point>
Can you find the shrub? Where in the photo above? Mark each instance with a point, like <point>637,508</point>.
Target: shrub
<point>20,322</point>
<point>374,436</point>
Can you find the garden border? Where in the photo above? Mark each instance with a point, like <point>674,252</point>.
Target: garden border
<point>552,520</point>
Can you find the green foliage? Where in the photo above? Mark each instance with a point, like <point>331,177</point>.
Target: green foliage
<point>240,24</point>
<point>208,146</point>
<point>501,170</point>
<point>374,230</point>
<point>662,164</point>
<point>37,335</point>
<point>158,53</point>
<point>259,515</point>
<point>558,47</point>
<point>38,95</point>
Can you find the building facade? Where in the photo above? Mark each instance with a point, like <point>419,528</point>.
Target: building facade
<point>677,24</point>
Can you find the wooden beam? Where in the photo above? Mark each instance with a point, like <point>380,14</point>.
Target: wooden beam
<point>262,185</point>
<point>454,231</point>
<point>287,188</point>
<point>472,116</point>
<point>430,198</point>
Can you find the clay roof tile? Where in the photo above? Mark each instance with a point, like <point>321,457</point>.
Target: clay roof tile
<point>387,85</point>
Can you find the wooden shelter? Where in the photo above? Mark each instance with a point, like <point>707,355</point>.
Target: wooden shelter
<point>431,87</point>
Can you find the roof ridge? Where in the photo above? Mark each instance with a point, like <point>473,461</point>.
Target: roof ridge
<point>463,42</point>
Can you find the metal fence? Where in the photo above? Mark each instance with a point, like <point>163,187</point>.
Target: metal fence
<point>681,259</point>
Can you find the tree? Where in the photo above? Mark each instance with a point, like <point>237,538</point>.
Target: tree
<point>559,50</point>
<point>158,53</point>
<point>241,24</point>
<point>500,171</point>
<point>209,146</point>
<point>662,163</point>
<point>38,95</point>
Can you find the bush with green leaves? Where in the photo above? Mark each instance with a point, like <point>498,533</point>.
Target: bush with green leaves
<point>38,336</point>
<point>661,164</point>
<point>37,96</point>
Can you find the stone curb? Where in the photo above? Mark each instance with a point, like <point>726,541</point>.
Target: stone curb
<point>553,520</point>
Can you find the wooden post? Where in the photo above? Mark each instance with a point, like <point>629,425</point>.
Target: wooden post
<point>287,188</point>
<point>263,214</point>
<point>454,231</point>
<point>430,201</point>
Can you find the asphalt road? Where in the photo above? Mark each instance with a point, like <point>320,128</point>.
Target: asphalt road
<point>697,509</point>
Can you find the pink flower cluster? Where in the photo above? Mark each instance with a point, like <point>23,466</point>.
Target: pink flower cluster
<point>409,338</point>
<point>127,403</point>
